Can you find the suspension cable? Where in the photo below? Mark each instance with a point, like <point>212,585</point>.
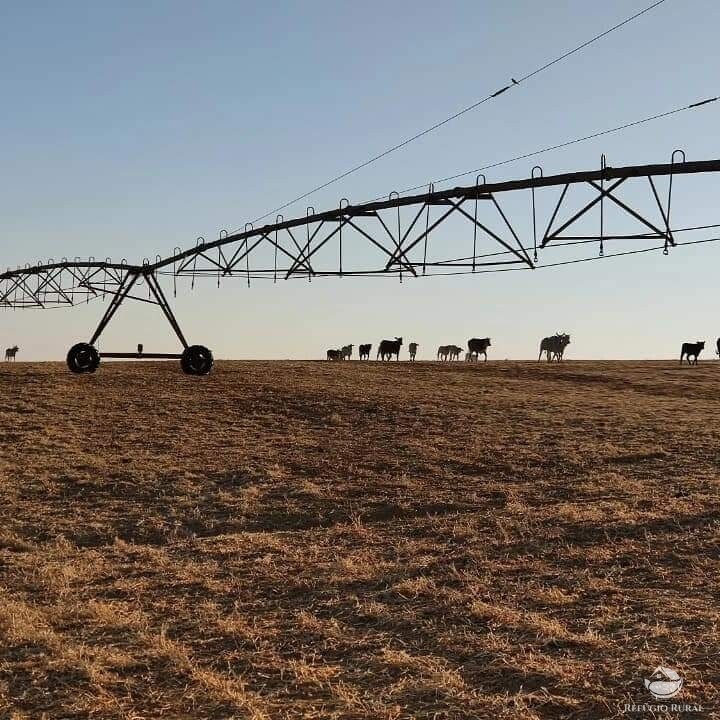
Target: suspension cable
<point>561,145</point>
<point>463,111</point>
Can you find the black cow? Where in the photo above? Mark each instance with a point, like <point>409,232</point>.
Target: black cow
<point>691,350</point>
<point>389,348</point>
<point>413,348</point>
<point>554,346</point>
<point>477,347</point>
<point>334,354</point>
<point>718,347</point>
<point>365,351</point>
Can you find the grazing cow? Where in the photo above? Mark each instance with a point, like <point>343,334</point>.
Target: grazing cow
<point>10,353</point>
<point>554,346</point>
<point>388,348</point>
<point>412,347</point>
<point>477,347</point>
<point>334,354</point>
<point>346,352</point>
<point>443,352</point>
<point>455,352</point>
<point>365,351</point>
<point>691,350</point>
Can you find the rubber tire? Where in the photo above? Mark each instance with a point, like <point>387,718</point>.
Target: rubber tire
<point>83,358</point>
<point>196,360</point>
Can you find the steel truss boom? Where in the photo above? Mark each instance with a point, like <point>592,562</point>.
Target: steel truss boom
<point>451,198</point>
<point>396,236</point>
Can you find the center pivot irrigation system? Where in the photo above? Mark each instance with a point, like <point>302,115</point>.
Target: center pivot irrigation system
<point>392,237</point>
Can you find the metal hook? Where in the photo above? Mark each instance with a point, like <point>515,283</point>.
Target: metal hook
<point>91,259</point>
<point>675,152</point>
<point>431,190</point>
<point>248,228</point>
<point>108,261</point>
<point>390,198</point>
<point>309,211</point>
<point>603,168</point>
<point>76,259</point>
<point>146,264</point>
<point>475,225</point>
<point>532,193</point>
<point>199,242</point>
<point>176,252</point>
<point>340,244</point>
<point>278,220</point>
<point>670,186</point>
<point>221,236</point>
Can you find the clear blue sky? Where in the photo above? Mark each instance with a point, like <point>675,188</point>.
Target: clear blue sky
<point>131,128</point>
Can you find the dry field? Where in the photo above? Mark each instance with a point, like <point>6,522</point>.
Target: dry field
<point>326,540</point>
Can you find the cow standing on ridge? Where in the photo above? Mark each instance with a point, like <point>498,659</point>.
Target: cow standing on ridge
<point>389,348</point>
<point>365,351</point>
<point>413,347</point>
<point>334,354</point>
<point>10,353</point>
<point>477,347</point>
<point>554,346</point>
<point>346,352</point>
<point>691,350</point>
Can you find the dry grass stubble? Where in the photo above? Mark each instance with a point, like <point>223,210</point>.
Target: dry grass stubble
<point>312,540</point>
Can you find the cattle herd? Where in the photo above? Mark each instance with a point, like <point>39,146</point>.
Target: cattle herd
<point>553,347</point>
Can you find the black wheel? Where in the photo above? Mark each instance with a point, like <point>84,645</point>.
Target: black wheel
<point>83,358</point>
<point>196,360</point>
